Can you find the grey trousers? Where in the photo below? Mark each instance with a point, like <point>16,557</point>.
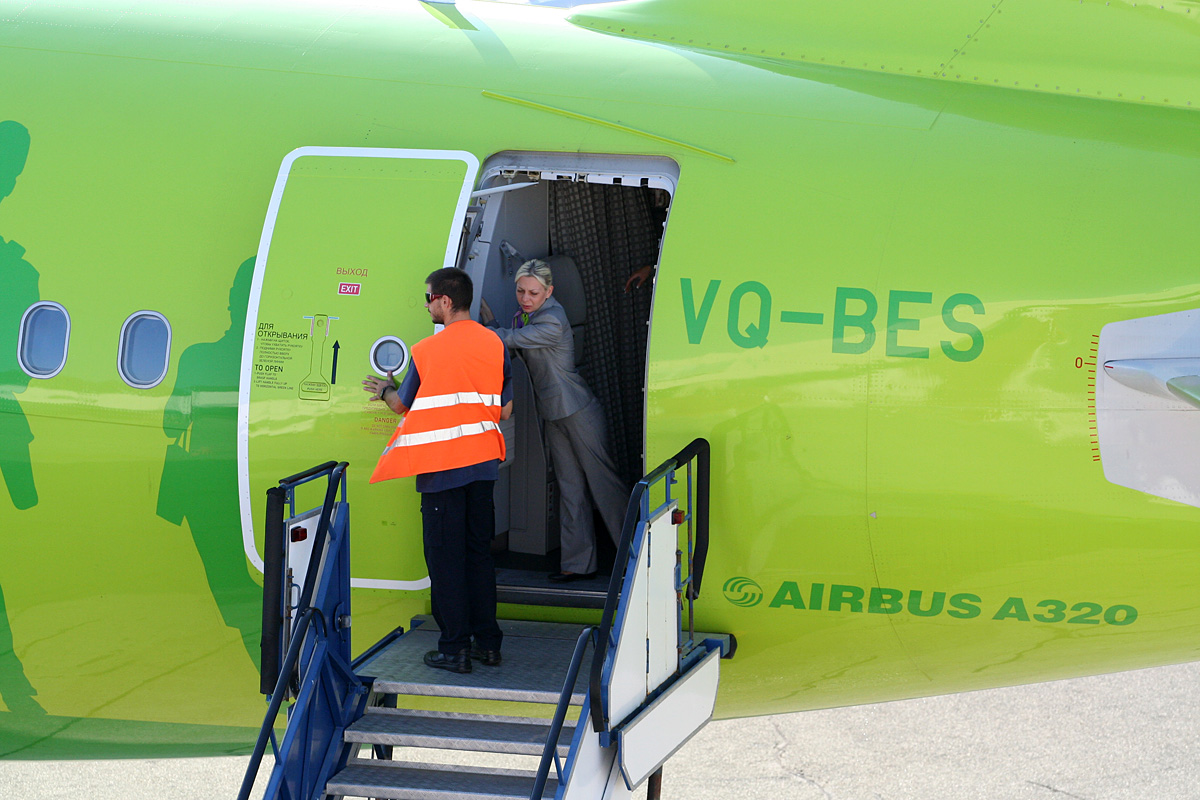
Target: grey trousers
<point>586,475</point>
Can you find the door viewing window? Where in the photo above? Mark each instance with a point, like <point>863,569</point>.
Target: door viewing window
<point>389,354</point>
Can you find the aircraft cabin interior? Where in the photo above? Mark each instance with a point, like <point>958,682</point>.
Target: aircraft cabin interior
<point>595,220</point>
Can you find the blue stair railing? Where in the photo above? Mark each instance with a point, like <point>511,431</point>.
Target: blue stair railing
<point>316,669</point>
<point>694,461</point>
<point>550,752</point>
<point>687,587</point>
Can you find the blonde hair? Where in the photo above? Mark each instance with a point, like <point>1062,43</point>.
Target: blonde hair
<point>537,269</point>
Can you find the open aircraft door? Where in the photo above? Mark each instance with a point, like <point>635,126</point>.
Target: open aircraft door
<point>350,235</point>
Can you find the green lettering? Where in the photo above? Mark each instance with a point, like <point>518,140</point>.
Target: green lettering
<point>697,322</point>
<point>846,595</point>
<point>755,334</point>
<point>788,595</point>
<point>864,321</point>
<point>964,606</point>
<point>1127,615</point>
<point>815,596</point>
<point>1013,608</point>
<point>885,601</point>
<point>1090,612</point>
<point>953,302</point>
<point>1056,611</point>
<point>935,605</point>
<point>897,323</point>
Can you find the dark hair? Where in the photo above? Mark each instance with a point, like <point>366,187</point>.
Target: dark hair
<point>453,283</point>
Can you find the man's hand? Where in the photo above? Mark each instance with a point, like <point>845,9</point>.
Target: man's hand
<point>377,386</point>
<point>638,278</point>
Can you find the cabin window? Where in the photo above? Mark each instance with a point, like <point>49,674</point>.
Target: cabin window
<point>389,354</point>
<point>145,349</point>
<point>42,343</point>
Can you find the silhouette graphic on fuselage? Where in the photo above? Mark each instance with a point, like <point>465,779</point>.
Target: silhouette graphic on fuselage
<point>200,473</point>
<point>20,282</point>
<point>20,290</point>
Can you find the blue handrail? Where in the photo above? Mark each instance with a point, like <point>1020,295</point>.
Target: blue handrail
<point>550,752</point>
<point>277,697</point>
<point>699,450</point>
<point>324,613</point>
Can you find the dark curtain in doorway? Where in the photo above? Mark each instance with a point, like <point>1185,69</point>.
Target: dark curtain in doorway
<point>611,231</point>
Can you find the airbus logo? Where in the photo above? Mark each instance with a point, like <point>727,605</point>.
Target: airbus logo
<point>743,592</point>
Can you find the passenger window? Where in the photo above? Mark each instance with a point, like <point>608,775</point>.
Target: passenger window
<point>145,349</point>
<point>42,342</point>
<point>389,354</point>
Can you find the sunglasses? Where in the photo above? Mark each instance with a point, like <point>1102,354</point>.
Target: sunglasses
<point>430,297</point>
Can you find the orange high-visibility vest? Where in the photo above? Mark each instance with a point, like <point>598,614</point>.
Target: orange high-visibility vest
<point>455,418</point>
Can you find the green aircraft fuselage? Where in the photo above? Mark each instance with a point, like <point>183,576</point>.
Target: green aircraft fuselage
<point>880,297</point>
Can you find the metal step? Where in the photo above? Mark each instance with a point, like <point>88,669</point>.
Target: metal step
<point>515,627</point>
<point>456,731</point>
<point>401,780</point>
<point>534,588</point>
<point>536,657</point>
<point>559,598</point>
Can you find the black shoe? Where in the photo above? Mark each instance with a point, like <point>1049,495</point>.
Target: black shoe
<point>567,577</point>
<point>489,658</point>
<point>459,662</point>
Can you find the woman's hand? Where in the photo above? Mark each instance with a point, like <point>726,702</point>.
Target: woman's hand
<point>485,312</point>
<point>638,278</point>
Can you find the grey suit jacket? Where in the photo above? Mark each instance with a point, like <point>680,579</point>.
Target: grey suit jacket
<point>548,345</point>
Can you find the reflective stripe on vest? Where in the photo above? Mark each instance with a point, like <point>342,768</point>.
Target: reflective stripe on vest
<point>454,419</point>
<point>457,398</point>
<point>441,435</point>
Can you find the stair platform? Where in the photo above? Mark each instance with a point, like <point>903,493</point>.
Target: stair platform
<point>536,657</point>
<point>401,780</point>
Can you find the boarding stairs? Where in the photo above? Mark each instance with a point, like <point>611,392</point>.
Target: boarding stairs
<point>574,711</point>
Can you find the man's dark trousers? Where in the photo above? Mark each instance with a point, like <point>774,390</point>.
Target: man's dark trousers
<point>458,527</point>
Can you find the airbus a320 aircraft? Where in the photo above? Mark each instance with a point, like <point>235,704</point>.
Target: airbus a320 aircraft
<point>924,278</point>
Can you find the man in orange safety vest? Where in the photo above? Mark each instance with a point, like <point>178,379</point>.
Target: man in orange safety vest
<point>453,397</point>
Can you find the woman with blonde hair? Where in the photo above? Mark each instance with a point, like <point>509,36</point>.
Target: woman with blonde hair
<point>575,425</point>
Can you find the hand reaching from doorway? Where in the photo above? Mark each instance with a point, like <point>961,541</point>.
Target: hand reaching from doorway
<point>638,278</point>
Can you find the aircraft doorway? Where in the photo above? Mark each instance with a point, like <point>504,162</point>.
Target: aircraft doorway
<point>596,221</point>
